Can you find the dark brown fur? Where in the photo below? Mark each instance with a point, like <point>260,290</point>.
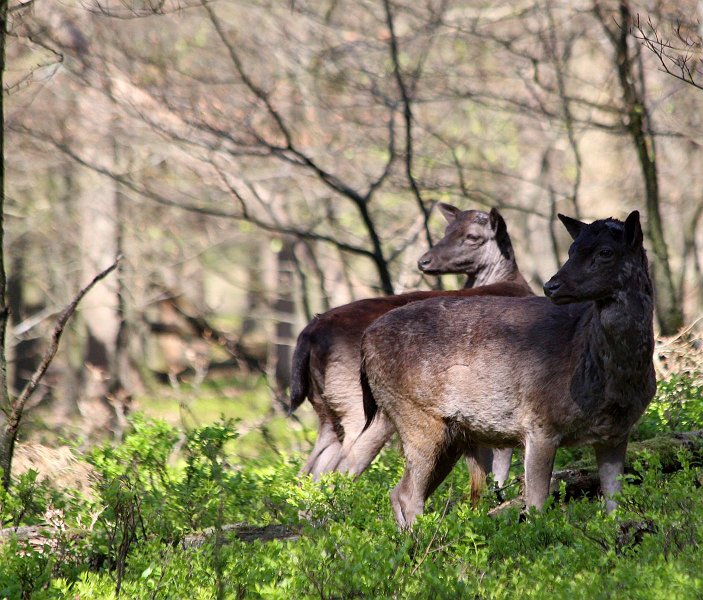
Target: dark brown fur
<point>521,371</point>
<point>327,356</point>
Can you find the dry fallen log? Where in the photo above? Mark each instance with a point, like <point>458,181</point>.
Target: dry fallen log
<point>28,533</point>
<point>244,533</point>
<point>39,536</point>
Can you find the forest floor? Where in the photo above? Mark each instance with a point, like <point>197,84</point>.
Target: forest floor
<point>202,499</point>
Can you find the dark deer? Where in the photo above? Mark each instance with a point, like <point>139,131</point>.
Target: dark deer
<point>327,355</point>
<point>455,373</point>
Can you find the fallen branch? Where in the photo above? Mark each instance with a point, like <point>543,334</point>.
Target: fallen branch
<point>39,536</point>
<point>244,533</point>
<point>207,331</point>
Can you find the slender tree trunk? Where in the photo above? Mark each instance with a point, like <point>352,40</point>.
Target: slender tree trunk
<point>6,441</point>
<point>255,289</point>
<point>100,318</point>
<point>23,356</point>
<point>303,278</point>
<point>284,315</point>
<point>668,303</point>
<point>64,405</point>
<point>379,259</point>
<point>119,365</point>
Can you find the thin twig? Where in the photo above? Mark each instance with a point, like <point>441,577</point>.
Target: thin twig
<point>31,385</point>
<point>408,115</point>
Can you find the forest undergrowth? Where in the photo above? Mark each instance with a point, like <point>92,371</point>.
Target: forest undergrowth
<point>174,515</point>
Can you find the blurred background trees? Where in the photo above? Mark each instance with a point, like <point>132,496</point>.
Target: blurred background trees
<point>260,161</point>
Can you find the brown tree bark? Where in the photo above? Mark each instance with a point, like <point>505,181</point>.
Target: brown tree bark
<point>23,355</point>
<point>284,316</point>
<point>5,401</point>
<point>638,124</point>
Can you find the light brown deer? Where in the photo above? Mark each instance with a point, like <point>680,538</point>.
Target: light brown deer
<point>453,374</point>
<point>327,355</point>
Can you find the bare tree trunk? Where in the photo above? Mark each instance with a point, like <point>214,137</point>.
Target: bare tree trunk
<point>637,121</point>
<point>6,445</point>
<point>120,365</point>
<point>23,355</point>
<point>304,294</point>
<point>121,375</point>
<point>100,319</point>
<point>284,315</point>
<point>64,402</point>
<point>255,288</point>
<point>311,253</point>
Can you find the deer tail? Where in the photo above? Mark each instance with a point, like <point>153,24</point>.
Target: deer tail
<point>300,372</point>
<point>370,405</point>
<point>478,477</point>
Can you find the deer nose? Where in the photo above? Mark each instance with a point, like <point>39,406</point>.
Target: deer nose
<point>424,262</point>
<point>551,287</point>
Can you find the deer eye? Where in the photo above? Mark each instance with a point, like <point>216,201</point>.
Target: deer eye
<point>605,253</point>
<point>472,237</point>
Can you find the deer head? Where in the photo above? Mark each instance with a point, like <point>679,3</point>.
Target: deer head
<point>473,241</point>
<point>605,258</point>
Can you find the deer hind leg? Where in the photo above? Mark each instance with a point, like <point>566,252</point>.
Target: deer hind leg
<point>430,455</point>
<point>351,417</point>
<point>327,446</point>
<point>611,464</point>
<point>357,456</point>
<point>328,452</point>
<point>539,461</point>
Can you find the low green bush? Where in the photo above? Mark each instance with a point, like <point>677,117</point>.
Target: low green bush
<point>677,406</point>
<point>160,485</point>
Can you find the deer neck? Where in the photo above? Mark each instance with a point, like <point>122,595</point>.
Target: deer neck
<point>502,271</point>
<point>625,321</point>
<point>616,361</point>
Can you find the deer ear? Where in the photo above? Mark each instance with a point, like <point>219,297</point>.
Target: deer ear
<point>573,226</point>
<point>497,222</point>
<point>502,238</point>
<point>633,229</point>
<point>450,212</point>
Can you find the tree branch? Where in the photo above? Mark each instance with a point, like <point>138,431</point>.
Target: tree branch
<point>67,313</point>
<point>667,54</point>
<point>408,116</point>
<point>10,428</point>
<point>194,208</point>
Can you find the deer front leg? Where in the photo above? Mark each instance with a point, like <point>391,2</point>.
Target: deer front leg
<point>611,464</point>
<point>539,461</point>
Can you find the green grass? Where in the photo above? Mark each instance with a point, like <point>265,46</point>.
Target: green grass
<point>264,432</point>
